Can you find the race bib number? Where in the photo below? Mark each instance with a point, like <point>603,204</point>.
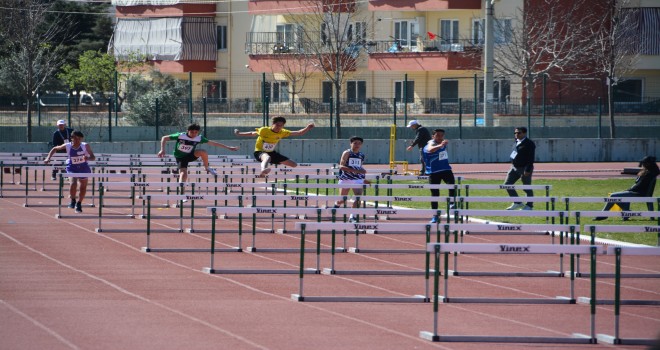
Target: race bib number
<point>268,147</point>
<point>355,162</point>
<point>185,148</point>
<point>77,160</point>
<point>443,155</point>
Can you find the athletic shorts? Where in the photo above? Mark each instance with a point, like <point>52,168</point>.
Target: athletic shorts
<point>275,158</point>
<point>183,161</point>
<point>358,182</point>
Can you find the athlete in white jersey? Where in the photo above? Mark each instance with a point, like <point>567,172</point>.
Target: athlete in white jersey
<point>351,171</point>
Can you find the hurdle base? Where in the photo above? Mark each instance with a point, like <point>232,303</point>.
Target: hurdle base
<point>328,271</point>
<point>190,250</point>
<point>493,339</point>
<point>358,299</point>
<point>506,274</point>
<point>386,251</point>
<point>557,300</point>
<point>587,300</point>
<point>101,230</point>
<point>611,275</point>
<point>609,339</point>
<point>290,250</point>
<point>257,271</point>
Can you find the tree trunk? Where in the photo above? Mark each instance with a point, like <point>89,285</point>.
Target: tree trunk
<point>337,102</point>
<point>610,107</point>
<point>29,119</point>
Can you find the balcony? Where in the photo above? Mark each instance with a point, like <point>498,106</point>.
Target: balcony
<point>259,7</point>
<point>177,10</point>
<point>425,55</point>
<point>423,5</point>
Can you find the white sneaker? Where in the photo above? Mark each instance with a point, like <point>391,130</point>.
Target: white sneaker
<point>527,207</point>
<point>515,206</point>
<point>212,171</point>
<point>351,219</point>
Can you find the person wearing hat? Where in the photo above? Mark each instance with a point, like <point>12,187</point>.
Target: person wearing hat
<point>61,136</point>
<point>642,187</point>
<point>422,137</point>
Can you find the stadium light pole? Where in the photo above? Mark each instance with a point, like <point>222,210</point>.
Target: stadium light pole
<point>488,64</point>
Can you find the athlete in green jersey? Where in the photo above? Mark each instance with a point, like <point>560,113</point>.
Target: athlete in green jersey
<point>185,149</point>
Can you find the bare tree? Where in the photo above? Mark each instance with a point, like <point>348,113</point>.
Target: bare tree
<point>334,36</point>
<point>617,48</point>
<point>34,40</point>
<point>296,67</point>
<point>548,37</point>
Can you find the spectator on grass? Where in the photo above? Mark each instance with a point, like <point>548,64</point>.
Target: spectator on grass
<point>422,137</point>
<point>351,171</point>
<point>522,165</point>
<point>641,188</point>
<point>185,149</point>
<point>78,153</point>
<point>61,136</point>
<point>436,162</point>
<point>267,139</point>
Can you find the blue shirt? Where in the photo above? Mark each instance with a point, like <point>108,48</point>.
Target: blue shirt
<point>437,161</point>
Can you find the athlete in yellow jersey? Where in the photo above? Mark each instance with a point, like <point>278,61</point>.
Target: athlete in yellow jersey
<point>267,139</point>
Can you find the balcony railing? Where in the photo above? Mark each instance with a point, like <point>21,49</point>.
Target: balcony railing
<point>263,43</point>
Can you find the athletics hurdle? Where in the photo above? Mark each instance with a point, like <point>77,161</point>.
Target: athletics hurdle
<point>593,229</point>
<point>376,212</point>
<point>182,197</point>
<point>304,226</point>
<point>605,200</point>
<point>445,248</point>
<point>511,229</point>
<point>212,270</point>
<point>507,228</point>
<point>618,252</point>
<point>87,175</point>
<point>269,211</point>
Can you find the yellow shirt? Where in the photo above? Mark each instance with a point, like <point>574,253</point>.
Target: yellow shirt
<point>268,139</point>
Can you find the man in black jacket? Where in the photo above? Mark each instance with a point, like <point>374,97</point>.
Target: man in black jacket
<point>522,166</point>
<point>61,136</point>
<point>422,137</point>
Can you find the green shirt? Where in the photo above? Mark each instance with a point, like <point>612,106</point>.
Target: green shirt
<point>185,145</point>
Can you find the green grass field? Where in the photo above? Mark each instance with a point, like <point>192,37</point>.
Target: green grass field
<point>560,188</point>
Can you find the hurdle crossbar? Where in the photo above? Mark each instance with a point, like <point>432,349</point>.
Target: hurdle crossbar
<point>565,232</point>
<point>525,249</point>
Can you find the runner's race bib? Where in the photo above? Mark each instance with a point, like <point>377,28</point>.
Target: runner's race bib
<point>355,162</point>
<point>269,147</point>
<point>185,148</point>
<point>78,160</point>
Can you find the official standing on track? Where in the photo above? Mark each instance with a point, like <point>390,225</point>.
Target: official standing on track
<point>422,137</point>
<point>522,166</point>
<point>61,136</point>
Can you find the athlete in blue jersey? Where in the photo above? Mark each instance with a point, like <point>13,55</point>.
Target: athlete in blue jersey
<point>351,171</point>
<point>436,161</point>
<point>78,153</point>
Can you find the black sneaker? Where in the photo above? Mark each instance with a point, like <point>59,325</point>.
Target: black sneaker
<point>78,207</point>
<point>72,204</point>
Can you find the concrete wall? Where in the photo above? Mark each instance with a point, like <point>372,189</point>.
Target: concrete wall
<point>377,150</point>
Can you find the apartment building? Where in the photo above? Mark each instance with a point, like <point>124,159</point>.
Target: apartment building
<point>429,51</point>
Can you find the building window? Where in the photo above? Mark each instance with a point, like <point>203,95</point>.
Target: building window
<point>406,33</point>
<point>222,37</point>
<point>399,92</point>
<point>629,90</point>
<point>357,32</point>
<point>501,27</point>
<point>448,91</point>
<point>449,31</point>
<point>501,90</point>
<point>215,89</point>
<point>326,90</point>
<point>356,91</point>
<point>277,91</point>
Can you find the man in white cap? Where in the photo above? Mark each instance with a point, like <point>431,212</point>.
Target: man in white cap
<point>61,136</point>
<point>422,137</point>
